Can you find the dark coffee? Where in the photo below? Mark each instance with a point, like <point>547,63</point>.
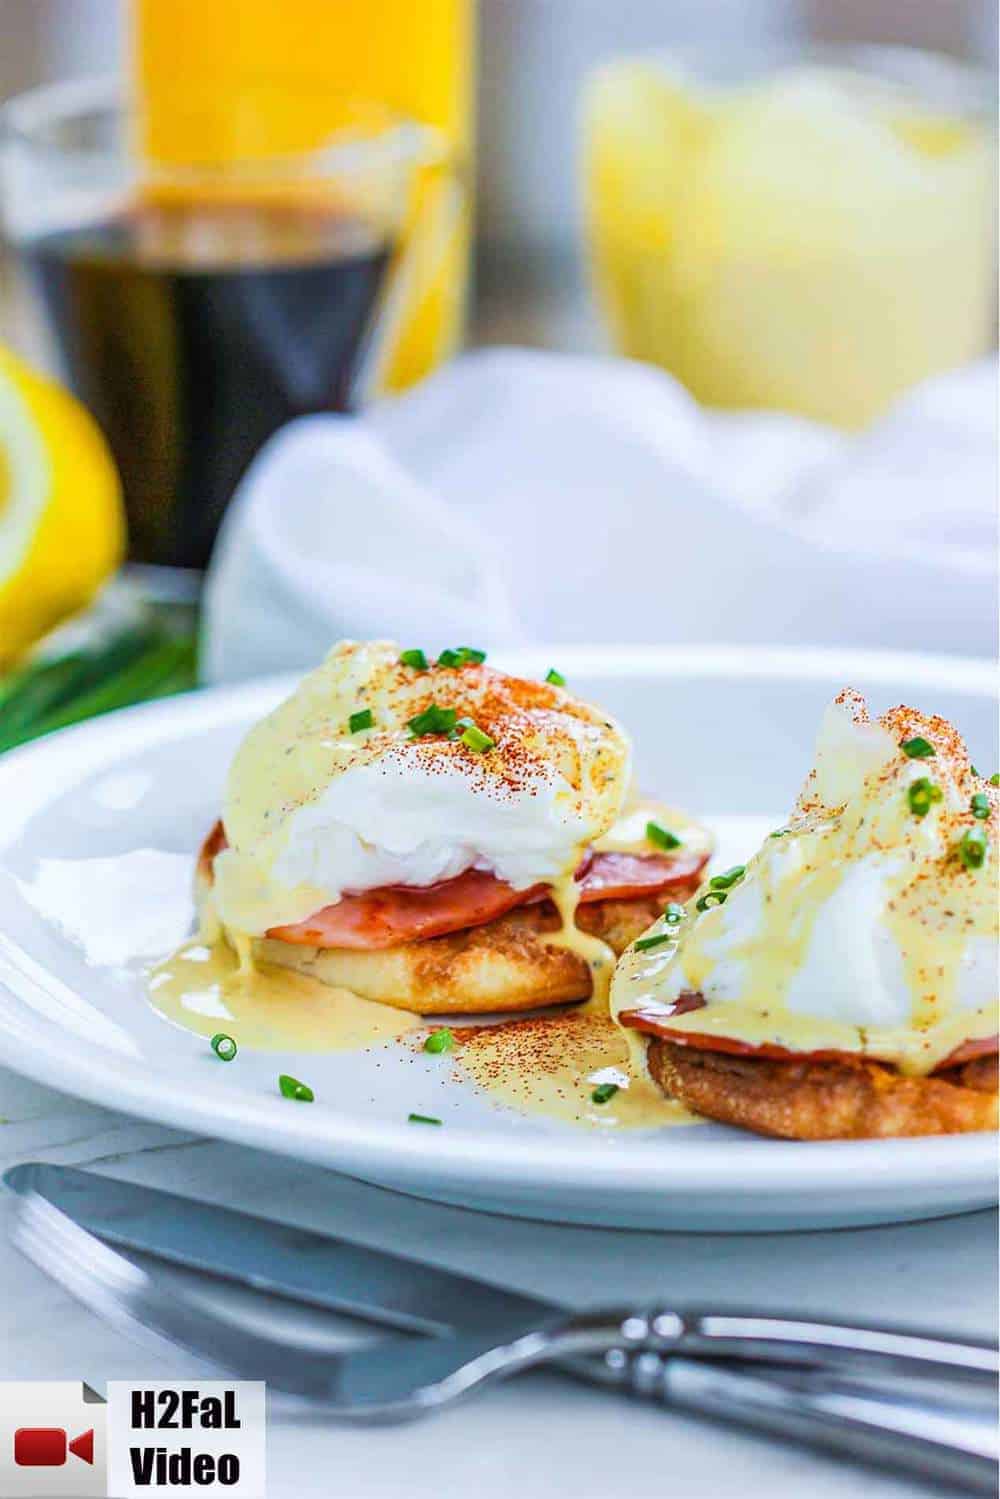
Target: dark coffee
<point>193,333</point>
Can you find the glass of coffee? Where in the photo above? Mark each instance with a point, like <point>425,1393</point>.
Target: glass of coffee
<point>197,307</point>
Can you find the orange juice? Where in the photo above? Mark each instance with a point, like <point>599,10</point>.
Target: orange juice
<point>218,80</point>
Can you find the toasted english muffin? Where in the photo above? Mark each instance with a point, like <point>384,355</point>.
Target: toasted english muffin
<point>825,1100</point>
<point>502,965</point>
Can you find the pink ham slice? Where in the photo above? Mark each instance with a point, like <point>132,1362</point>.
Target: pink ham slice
<point>657,1023</point>
<point>402,913</point>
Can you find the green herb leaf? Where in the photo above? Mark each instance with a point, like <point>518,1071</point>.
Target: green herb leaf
<point>555,677</point>
<point>673,913</point>
<point>414,658</point>
<point>661,837</point>
<point>433,720</point>
<point>363,719</point>
<point>224,1046</point>
<point>440,1040</point>
<point>728,878</point>
<point>709,899</point>
<point>603,1092</point>
<point>917,748</point>
<point>920,794</point>
<point>995,778</point>
<point>980,806</point>
<point>292,1088</point>
<point>972,848</point>
<point>421,1119</point>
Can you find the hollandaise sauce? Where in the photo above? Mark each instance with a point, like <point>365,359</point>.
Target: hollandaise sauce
<point>204,988</point>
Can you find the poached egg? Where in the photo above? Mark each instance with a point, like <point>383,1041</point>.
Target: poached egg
<point>867,925</point>
<point>378,772</point>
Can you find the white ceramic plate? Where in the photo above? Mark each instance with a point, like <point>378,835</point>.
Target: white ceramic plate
<point>98,828</point>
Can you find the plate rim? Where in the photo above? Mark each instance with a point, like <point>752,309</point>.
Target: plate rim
<point>620,1163</point>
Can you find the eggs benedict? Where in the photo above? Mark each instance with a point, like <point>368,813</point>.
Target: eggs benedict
<point>844,982</point>
<point>439,837</point>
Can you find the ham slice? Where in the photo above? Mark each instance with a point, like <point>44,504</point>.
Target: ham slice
<point>658,1024</point>
<point>395,914</point>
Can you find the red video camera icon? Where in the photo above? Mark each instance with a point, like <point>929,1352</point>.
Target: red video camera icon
<point>47,1446</point>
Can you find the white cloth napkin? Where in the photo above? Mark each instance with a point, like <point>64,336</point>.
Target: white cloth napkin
<point>520,496</point>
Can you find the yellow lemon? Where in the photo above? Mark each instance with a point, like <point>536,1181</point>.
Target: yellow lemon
<point>62,527</point>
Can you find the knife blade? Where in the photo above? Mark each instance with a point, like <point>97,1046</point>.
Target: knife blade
<point>336,1274</point>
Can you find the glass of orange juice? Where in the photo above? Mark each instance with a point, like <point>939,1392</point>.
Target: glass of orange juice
<point>809,233</point>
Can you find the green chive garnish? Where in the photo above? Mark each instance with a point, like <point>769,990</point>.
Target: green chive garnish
<point>224,1046</point>
<point>603,1092</point>
<point>292,1088</point>
<point>673,913</point>
<point>917,748</point>
<point>995,778</point>
<point>362,720</point>
<point>440,1040</point>
<point>661,837</point>
<point>709,899</point>
<point>463,655</point>
<point>433,720</point>
<point>728,878</point>
<point>421,1119</point>
<point>920,794</point>
<point>980,806</point>
<point>975,772</point>
<point>476,740</point>
<point>972,848</point>
<point>555,677</point>
<point>643,944</point>
<point>414,658</point>
<point>780,833</point>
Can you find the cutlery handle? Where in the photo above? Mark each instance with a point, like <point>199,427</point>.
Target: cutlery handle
<point>940,1440</point>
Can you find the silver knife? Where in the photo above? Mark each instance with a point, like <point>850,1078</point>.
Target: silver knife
<point>778,1374</point>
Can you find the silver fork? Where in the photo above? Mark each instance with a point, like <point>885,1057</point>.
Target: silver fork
<point>803,1380</point>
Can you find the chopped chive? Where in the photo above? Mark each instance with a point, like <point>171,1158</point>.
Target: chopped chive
<point>292,1088</point>
<point>975,772</point>
<point>995,778</point>
<point>603,1092</point>
<point>440,1040</point>
<point>917,748</point>
<point>709,899</point>
<point>980,806</point>
<point>728,878</point>
<point>555,677</point>
<point>780,833</point>
<point>643,944</point>
<point>673,913</point>
<point>414,658</point>
<point>433,720</point>
<point>661,837</point>
<point>475,739</point>
<point>920,794</point>
<point>462,655</point>
<point>421,1119</point>
<point>972,848</point>
<point>361,720</point>
<point>224,1046</point>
